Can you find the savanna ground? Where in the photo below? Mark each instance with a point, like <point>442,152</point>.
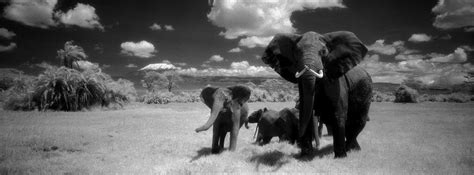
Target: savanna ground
<point>424,138</point>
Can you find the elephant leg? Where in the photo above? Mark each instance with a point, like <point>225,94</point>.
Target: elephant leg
<point>215,139</point>
<point>320,129</point>
<point>266,140</point>
<point>316,134</point>
<point>222,140</point>
<point>352,131</point>
<point>234,132</point>
<point>329,129</point>
<point>338,97</point>
<point>259,138</point>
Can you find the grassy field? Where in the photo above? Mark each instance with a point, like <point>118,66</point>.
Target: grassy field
<point>425,138</point>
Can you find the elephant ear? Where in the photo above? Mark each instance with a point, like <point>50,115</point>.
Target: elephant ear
<point>240,94</point>
<point>345,52</point>
<point>280,55</point>
<point>207,96</point>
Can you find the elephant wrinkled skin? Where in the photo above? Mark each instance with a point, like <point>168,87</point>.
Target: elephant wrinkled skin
<point>229,112</point>
<point>341,97</point>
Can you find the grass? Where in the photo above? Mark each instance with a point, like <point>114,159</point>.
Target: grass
<point>424,138</point>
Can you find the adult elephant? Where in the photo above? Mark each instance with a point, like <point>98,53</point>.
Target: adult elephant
<point>324,67</point>
<point>229,111</point>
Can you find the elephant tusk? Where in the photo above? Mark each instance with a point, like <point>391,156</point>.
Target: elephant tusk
<point>318,74</point>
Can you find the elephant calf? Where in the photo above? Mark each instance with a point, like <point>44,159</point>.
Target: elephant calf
<point>270,123</point>
<point>229,111</point>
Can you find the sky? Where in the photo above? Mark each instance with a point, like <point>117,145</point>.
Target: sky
<point>427,40</point>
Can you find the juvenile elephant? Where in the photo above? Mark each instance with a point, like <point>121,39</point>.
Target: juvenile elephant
<point>270,123</point>
<point>329,81</point>
<point>229,111</point>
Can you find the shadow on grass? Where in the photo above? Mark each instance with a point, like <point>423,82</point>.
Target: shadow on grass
<point>320,153</point>
<point>200,153</point>
<point>274,159</point>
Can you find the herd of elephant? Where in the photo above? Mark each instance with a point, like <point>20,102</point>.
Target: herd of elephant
<point>333,90</point>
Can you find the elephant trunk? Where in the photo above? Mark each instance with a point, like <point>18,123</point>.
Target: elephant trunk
<point>216,108</point>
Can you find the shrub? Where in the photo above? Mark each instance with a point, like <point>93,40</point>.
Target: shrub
<point>378,96</point>
<point>405,94</point>
<point>160,97</point>
<point>454,97</point>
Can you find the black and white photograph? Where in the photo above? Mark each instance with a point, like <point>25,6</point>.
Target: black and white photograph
<point>236,87</point>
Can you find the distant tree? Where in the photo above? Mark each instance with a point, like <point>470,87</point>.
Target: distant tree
<point>71,54</point>
<point>405,94</point>
<point>154,81</point>
<point>173,79</point>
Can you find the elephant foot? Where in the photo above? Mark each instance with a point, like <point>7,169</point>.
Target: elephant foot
<point>340,155</point>
<point>215,150</point>
<point>353,146</point>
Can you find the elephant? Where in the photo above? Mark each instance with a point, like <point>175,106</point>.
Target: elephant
<point>271,123</point>
<point>325,67</point>
<point>229,112</point>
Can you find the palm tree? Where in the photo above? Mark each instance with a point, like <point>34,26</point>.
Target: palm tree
<point>71,54</point>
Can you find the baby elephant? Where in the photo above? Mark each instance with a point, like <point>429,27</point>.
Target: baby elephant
<point>270,123</point>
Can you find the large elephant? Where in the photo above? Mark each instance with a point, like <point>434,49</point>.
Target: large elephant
<point>329,81</point>
<point>229,111</point>
<point>270,123</point>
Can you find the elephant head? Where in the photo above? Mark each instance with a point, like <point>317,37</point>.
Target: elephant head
<point>222,99</point>
<point>256,116</point>
<point>306,58</point>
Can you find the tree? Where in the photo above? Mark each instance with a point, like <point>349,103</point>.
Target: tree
<point>173,78</point>
<point>154,81</point>
<point>71,54</point>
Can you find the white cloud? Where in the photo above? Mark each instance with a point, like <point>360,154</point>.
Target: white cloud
<point>82,15</point>
<point>386,49</point>
<point>235,50</point>
<point>409,56</point>
<point>86,65</point>
<point>454,14</point>
<point>142,49</point>
<point>260,17</point>
<point>40,13</point>
<point>254,41</point>
<point>169,27</point>
<point>131,65</point>
<point>155,26</point>
<point>419,37</point>
<point>6,34</point>
<point>160,67</point>
<point>10,47</point>
<point>36,13</point>
<point>458,56</point>
<point>216,58</point>
<point>242,68</point>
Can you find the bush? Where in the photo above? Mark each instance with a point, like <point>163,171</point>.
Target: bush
<point>454,97</point>
<point>378,96</point>
<point>160,97</point>
<point>405,94</point>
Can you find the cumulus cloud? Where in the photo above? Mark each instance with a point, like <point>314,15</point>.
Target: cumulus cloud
<point>82,15</point>
<point>254,41</point>
<point>155,26</point>
<point>6,34</point>
<point>10,47</point>
<point>431,69</point>
<point>40,13</point>
<point>142,49</point>
<point>242,68</point>
<point>216,58</point>
<point>458,56</point>
<point>261,18</point>
<point>131,65</point>
<point>386,49</point>
<point>86,65</point>
<point>419,37</point>
<point>235,50</point>
<point>453,14</point>
<point>169,27</point>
